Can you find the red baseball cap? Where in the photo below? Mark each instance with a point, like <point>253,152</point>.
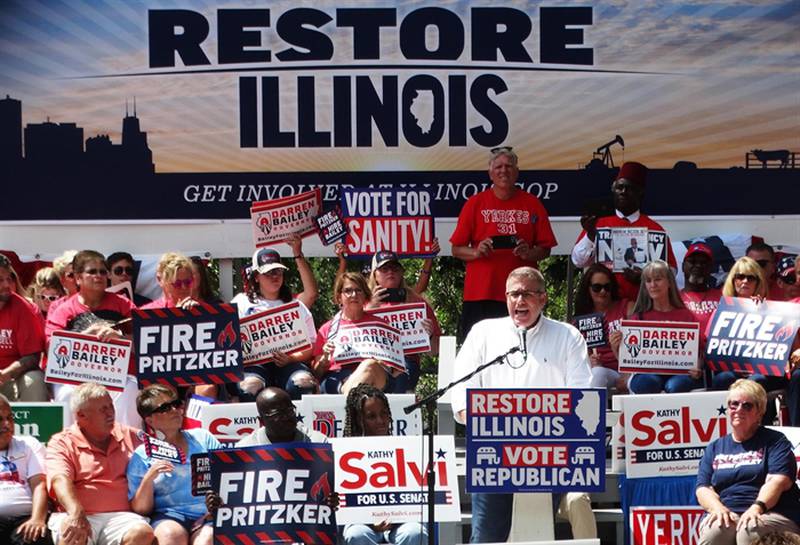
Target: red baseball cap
<point>700,247</point>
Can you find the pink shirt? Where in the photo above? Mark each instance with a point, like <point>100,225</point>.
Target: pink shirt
<point>100,481</point>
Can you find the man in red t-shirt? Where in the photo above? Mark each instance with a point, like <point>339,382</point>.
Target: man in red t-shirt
<point>699,298</point>
<point>498,230</point>
<point>21,343</point>
<point>628,192</point>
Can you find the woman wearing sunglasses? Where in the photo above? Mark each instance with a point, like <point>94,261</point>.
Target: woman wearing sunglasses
<point>266,288</point>
<point>94,311</point>
<point>598,291</point>
<point>175,275</point>
<point>746,479</point>
<point>44,290</point>
<point>160,489</point>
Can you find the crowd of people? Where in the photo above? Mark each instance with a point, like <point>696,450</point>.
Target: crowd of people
<point>107,490</point>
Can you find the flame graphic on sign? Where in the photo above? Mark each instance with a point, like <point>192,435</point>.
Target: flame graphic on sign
<point>227,337</point>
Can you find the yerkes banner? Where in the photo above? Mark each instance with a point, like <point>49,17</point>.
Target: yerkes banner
<point>238,103</point>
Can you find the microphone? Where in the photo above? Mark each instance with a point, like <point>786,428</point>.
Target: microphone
<point>523,345</point>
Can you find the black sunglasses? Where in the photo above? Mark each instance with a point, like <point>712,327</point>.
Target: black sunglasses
<point>119,270</point>
<point>745,405</point>
<point>597,288</point>
<point>748,277</point>
<point>790,278</point>
<point>92,272</point>
<point>176,403</point>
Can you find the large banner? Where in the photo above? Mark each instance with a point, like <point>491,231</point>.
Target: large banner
<point>544,440</point>
<point>666,434</point>
<point>385,479</point>
<point>199,345</point>
<point>230,104</point>
<point>274,494</point>
<point>749,337</point>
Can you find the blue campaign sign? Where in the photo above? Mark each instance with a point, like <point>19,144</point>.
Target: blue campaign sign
<point>536,440</point>
<point>396,219</point>
<point>274,493</point>
<point>181,347</point>
<point>749,337</point>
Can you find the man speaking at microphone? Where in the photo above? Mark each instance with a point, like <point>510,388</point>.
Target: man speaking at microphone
<point>554,355</point>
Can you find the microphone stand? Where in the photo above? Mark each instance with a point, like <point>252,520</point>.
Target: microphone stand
<point>429,403</point>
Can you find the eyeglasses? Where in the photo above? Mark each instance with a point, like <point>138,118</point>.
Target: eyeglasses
<point>350,292</point>
<point>176,403</point>
<point>92,272</point>
<point>70,275</point>
<point>790,278</point>
<point>524,294</point>
<point>763,263</point>
<point>742,277</point>
<point>45,297</point>
<point>178,284</point>
<point>283,412</point>
<point>119,271</point>
<point>744,405</point>
<point>597,288</point>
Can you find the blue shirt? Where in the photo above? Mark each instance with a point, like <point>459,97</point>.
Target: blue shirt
<point>737,471</point>
<point>172,493</point>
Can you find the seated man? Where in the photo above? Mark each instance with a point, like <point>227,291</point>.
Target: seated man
<point>23,494</point>
<point>86,466</point>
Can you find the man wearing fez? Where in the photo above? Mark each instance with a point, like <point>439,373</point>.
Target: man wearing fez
<point>86,468</point>
<point>23,487</point>
<point>555,357</point>
<point>628,192</point>
<point>498,230</point>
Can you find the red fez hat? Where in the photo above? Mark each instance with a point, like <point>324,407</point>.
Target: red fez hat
<point>633,172</point>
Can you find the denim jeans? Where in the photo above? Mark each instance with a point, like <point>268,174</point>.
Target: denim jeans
<point>491,517</point>
<point>407,533</point>
<point>644,383</point>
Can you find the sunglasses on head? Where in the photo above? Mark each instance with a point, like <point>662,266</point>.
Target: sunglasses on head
<point>178,284</point>
<point>92,272</point>
<point>597,288</point>
<point>744,405</point>
<point>790,278</point>
<point>748,277</point>
<point>118,271</point>
<point>176,403</point>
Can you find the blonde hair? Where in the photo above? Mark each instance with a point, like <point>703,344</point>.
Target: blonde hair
<point>753,390</point>
<point>169,265</point>
<point>45,278</point>
<point>61,263</point>
<point>745,265</point>
<point>411,295</point>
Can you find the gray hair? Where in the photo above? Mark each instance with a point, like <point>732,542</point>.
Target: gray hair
<point>508,152</point>
<point>527,273</point>
<point>85,393</point>
<point>659,267</point>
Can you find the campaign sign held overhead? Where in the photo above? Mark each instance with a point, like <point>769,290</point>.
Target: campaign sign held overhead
<point>399,220</point>
<point>181,347</point>
<point>535,440</point>
<point>750,337</point>
<point>275,220</point>
<point>274,493</point>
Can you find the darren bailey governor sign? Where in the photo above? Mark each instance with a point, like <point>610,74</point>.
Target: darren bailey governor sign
<point>75,358</point>
<point>535,440</point>
<point>658,347</point>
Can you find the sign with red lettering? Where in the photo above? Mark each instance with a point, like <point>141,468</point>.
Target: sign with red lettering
<point>666,435</point>
<point>384,479</point>
<point>658,347</point>
<point>666,525</point>
<point>273,221</point>
<point>407,319</point>
<point>326,413</point>
<point>749,337</point>
<point>399,220</point>
<point>75,358</point>
<point>230,422</point>
<point>377,340</point>
<point>279,329</point>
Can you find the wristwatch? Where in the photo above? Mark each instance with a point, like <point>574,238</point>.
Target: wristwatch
<point>762,505</point>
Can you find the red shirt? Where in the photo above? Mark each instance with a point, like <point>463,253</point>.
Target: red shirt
<point>100,478</point>
<point>674,315</point>
<point>628,290</point>
<point>325,330</point>
<point>613,320</point>
<point>702,304</point>
<point>21,331</point>
<point>484,216</point>
<point>161,302</point>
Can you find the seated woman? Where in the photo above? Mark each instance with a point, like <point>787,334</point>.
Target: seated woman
<point>659,301</point>
<point>746,479</point>
<point>351,293</point>
<point>368,415</point>
<point>44,290</point>
<point>266,289</point>
<point>160,489</point>
<point>598,291</point>
<point>94,311</point>
<point>386,275</point>
<point>746,279</point>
